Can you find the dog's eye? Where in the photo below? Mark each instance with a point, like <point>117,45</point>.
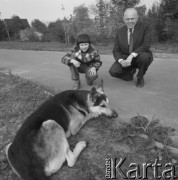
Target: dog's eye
<point>103,106</point>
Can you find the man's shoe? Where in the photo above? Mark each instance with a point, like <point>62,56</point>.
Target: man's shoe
<point>140,83</point>
<point>89,81</point>
<point>76,85</point>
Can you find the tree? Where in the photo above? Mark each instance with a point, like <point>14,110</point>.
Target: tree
<point>55,31</point>
<point>163,21</point>
<point>81,19</point>
<point>3,35</point>
<point>102,14</point>
<point>169,28</point>
<point>154,18</point>
<point>39,26</point>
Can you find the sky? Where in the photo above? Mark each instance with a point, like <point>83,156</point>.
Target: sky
<point>45,10</point>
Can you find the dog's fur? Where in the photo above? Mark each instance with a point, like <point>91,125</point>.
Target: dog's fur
<point>40,147</point>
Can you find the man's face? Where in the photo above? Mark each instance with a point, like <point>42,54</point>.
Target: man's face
<point>84,46</point>
<point>130,18</point>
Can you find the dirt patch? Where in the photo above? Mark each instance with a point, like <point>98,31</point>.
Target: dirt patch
<point>135,140</point>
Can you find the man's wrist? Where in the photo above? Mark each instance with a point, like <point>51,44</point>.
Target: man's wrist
<point>133,54</point>
<point>119,60</point>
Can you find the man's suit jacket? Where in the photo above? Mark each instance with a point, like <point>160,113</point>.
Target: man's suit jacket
<point>141,41</point>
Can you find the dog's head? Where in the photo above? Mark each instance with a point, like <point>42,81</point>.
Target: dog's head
<point>99,103</point>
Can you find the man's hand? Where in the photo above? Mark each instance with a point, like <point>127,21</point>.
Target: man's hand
<point>92,71</point>
<point>75,63</point>
<point>127,62</point>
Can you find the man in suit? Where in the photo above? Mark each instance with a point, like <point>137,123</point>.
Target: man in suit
<point>131,49</point>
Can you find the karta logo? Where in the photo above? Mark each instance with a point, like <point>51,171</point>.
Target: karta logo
<point>114,169</point>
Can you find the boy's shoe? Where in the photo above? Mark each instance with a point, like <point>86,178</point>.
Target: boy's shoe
<point>76,85</point>
<point>140,83</point>
<point>89,81</point>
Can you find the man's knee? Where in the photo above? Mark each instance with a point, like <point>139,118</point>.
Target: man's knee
<point>115,69</point>
<point>145,58</point>
<point>112,73</point>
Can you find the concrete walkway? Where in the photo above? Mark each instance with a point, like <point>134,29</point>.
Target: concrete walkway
<point>158,97</point>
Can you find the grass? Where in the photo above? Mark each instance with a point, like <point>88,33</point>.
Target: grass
<point>56,46</point>
<point>107,138</point>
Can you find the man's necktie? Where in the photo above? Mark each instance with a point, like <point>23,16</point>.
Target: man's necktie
<point>131,41</point>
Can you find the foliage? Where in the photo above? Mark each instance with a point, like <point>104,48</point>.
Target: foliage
<point>168,8</point>
<point>31,35</point>
<point>81,19</point>
<point>55,31</point>
<point>39,26</point>
<point>163,21</point>
<point>3,35</point>
<point>102,14</point>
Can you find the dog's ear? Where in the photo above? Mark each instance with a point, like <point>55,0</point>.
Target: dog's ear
<point>93,94</point>
<point>100,88</point>
<point>93,91</point>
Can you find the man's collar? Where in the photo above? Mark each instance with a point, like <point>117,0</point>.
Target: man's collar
<point>128,29</point>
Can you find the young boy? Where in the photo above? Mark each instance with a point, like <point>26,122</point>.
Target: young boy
<point>83,58</point>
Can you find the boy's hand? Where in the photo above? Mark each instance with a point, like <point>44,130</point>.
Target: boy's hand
<point>92,71</point>
<point>75,63</point>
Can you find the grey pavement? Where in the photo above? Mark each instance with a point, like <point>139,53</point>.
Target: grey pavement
<point>158,98</point>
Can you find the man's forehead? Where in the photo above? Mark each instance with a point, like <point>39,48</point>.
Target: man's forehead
<point>130,13</point>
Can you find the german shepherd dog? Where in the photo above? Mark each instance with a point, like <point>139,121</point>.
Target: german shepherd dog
<point>40,147</point>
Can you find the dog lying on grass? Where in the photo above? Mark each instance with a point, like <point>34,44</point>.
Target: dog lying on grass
<point>40,147</point>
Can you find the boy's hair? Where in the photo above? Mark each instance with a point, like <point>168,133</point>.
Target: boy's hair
<point>83,38</point>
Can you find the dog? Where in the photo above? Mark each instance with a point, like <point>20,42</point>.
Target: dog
<point>40,146</point>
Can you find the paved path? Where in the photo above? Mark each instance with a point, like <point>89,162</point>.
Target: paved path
<point>158,97</point>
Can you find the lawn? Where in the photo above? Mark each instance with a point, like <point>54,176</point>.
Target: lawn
<point>103,49</point>
<point>135,140</point>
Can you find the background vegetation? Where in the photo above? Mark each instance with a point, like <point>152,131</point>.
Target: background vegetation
<point>101,20</point>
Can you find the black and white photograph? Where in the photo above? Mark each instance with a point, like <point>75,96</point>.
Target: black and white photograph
<point>88,89</point>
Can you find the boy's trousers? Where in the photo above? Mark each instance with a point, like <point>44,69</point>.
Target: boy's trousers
<point>82,69</point>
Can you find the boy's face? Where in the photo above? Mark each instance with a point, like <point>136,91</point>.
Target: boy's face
<point>84,46</point>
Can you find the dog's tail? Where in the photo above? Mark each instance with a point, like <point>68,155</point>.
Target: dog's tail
<point>6,151</point>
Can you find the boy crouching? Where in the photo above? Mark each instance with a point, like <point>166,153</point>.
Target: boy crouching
<point>83,58</point>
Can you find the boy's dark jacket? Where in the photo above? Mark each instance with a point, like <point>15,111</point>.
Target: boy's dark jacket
<point>91,57</point>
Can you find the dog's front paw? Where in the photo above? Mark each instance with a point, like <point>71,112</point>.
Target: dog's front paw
<point>81,144</point>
